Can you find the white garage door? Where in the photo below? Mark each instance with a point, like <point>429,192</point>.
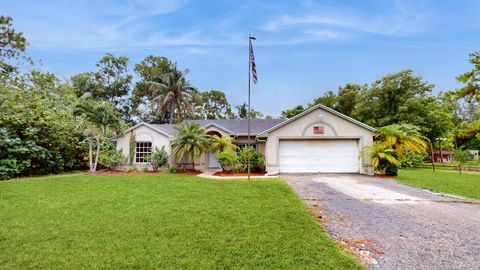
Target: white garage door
<point>329,156</point>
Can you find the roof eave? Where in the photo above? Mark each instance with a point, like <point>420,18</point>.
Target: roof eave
<point>358,123</point>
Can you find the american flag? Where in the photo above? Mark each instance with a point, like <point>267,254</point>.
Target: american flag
<point>252,62</point>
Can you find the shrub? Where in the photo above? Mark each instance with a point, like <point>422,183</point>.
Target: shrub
<point>172,169</point>
<point>159,158</point>
<point>412,159</point>
<point>227,160</point>
<point>112,159</point>
<point>257,160</point>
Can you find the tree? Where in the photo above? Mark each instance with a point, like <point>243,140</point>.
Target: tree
<point>173,96</point>
<point>12,46</point>
<point>242,111</point>
<point>392,143</point>
<point>150,69</point>
<point>289,113</point>
<point>223,143</point>
<point>111,81</point>
<point>213,105</point>
<point>191,140</point>
<point>101,122</point>
<point>39,128</point>
<point>328,99</point>
<point>394,99</point>
<point>471,79</point>
<point>347,98</point>
<point>467,103</point>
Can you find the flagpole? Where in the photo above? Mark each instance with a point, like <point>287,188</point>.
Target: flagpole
<point>248,111</point>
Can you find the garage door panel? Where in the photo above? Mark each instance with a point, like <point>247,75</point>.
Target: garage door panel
<point>319,156</point>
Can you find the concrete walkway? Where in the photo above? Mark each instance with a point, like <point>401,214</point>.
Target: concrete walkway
<point>209,174</point>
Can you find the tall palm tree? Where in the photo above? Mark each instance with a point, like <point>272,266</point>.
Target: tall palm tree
<point>223,143</point>
<point>191,140</point>
<point>173,95</point>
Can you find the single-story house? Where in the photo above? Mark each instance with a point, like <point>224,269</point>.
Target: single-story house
<point>318,140</point>
<point>441,156</point>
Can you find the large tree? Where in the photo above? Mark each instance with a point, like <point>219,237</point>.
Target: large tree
<point>150,69</point>
<point>213,105</point>
<point>12,46</point>
<point>400,97</point>
<point>173,96</point>
<point>466,102</point>
<point>111,81</point>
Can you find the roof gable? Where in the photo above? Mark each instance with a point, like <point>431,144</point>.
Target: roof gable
<point>318,106</point>
<point>148,126</point>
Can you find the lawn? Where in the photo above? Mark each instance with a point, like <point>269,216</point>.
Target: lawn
<point>160,221</point>
<point>466,184</point>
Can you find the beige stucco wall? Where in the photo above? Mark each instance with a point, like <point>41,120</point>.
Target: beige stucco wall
<point>302,128</point>
<point>143,134</point>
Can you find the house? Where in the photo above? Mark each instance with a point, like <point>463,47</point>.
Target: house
<point>319,139</point>
<point>441,156</point>
<point>474,154</point>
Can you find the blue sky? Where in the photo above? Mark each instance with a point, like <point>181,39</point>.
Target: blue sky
<point>303,48</point>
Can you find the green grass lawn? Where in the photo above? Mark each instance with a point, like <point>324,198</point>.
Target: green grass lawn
<point>466,184</point>
<point>160,221</point>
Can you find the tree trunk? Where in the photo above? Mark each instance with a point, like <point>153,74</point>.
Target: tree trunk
<point>193,162</point>
<point>90,155</point>
<point>97,155</point>
<point>433,156</point>
<point>440,148</point>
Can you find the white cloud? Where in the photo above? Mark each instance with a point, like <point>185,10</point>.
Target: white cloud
<point>397,19</point>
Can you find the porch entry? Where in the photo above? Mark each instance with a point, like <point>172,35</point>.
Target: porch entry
<point>212,160</point>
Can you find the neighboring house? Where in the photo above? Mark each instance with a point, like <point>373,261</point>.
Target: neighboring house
<point>445,156</point>
<point>319,140</point>
<point>474,154</point>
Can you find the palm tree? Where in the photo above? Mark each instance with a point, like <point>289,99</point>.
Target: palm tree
<point>173,95</point>
<point>191,140</point>
<point>403,137</point>
<point>223,143</point>
<point>392,143</point>
<point>381,157</point>
<point>100,120</point>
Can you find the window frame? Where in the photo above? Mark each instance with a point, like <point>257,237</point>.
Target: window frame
<point>146,152</point>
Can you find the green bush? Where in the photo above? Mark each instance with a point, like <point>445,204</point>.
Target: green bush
<point>227,160</point>
<point>112,159</point>
<point>412,159</point>
<point>158,158</point>
<point>257,160</point>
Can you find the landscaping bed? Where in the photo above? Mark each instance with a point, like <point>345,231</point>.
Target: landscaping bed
<point>238,174</point>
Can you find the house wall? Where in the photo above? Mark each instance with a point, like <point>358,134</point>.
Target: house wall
<point>143,134</point>
<point>302,128</point>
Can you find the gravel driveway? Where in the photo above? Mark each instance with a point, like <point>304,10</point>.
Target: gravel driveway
<point>392,226</point>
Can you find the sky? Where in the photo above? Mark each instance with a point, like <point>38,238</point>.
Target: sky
<point>303,48</point>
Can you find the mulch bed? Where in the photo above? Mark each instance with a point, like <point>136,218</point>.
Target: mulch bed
<point>121,173</point>
<point>237,174</point>
<point>190,172</point>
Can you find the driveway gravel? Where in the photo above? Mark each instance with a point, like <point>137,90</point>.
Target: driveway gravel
<point>393,226</point>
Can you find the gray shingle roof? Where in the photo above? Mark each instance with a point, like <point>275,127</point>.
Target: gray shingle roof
<point>237,126</point>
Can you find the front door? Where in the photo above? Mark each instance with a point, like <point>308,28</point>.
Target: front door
<point>212,160</point>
